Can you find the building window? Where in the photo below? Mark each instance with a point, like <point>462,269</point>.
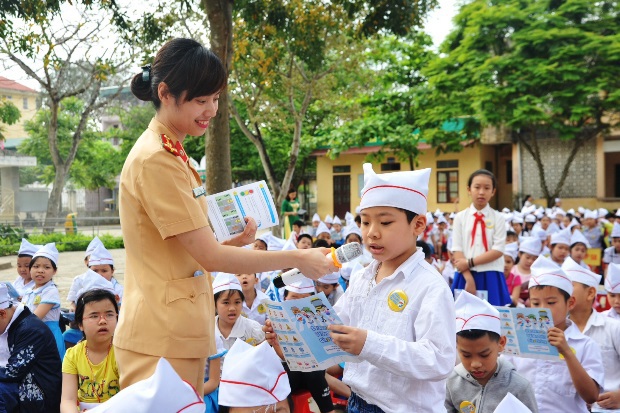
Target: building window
<point>488,166</point>
<point>508,172</point>
<point>390,166</point>
<point>342,169</point>
<point>452,164</point>
<point>25,103</point>
<point>447,186</point>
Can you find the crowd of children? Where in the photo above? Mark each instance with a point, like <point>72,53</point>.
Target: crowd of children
<point>396,301</point>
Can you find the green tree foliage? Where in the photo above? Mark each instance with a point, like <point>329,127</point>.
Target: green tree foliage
<point>9,115</point>
<point>536,68</point>
<point>97,162</point>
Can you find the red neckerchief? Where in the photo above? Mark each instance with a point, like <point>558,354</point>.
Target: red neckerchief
<point>176,149</point>
<point>480,220</point>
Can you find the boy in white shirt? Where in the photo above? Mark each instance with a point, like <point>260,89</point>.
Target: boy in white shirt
<point>612,286</point>
<point>398,313</point>
<point>576,378</point>
<point>603,330</point>
<point>253,307</point>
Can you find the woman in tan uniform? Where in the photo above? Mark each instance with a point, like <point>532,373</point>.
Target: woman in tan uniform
<point>168,308</point>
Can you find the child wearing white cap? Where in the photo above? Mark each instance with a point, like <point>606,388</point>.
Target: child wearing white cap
<point>579,248</point>
<point>560,246</point>
<point>591,229</point>
<point>612,254</point>
<point>529,250</point>
<point>397,312</point>
<point>76,284</point>
<point>101,262</point>
<point>253,307</point>
<point>605,331</point>
<point>328,221</point>
<point>44,299</point>
<point>513,280</point>
<point>316,220</point>
<point>336,231</point>
<point>612,286</point>
<point>478,240</point>
<point>566,384</point>
<point>248,387</point>
<point>24,282</point>
<point>483,378</point>
<point>330,286</point>
<point>323,232</point>
<point>229,324</point>
<point>91,363</point>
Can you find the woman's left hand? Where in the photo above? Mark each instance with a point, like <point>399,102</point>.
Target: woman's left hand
<point>248,235</point>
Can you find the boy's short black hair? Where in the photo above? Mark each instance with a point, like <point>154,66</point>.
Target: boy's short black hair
<point>24,256</point>
<point>320,243</point>
<point>410,214</point>
<point>476,334</point>
<point>425,248</point>
<point>540,287</point>
<point>511,234</point>
<point>299,223</point>
<point>358,219</point>
<point>304,236</point>
<point>287,291</point>
<point>217,295</point>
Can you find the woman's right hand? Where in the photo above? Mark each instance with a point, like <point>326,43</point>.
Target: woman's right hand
<point>316,262</point>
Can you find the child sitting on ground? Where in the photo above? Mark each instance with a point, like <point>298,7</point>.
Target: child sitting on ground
<point>76,284</point>
<point>483,378</point>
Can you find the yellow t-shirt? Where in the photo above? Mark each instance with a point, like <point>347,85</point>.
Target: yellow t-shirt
<point>96,382</point>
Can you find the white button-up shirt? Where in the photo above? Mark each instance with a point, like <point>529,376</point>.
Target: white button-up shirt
<point>495,226</point>
<point>408,354</point>
<point>258,311</point>
<point>551,380</point>
<point>244,329</point>
<point>611,313</point>
<point>605,331</point>
<point>21,288</point>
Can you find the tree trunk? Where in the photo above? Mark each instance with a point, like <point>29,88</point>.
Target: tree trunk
<point>217,140</point>
<point>54,203</point>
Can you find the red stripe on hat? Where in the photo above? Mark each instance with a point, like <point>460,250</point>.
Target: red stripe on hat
<point>550,273</point>
<point>583,272</point>
<point>474,316</point>
<point>257,386</point>
<point>394,186</point>
<point>199,401</point>
<point>611,287</point>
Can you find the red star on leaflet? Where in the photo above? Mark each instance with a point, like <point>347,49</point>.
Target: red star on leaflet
<point>176,149</point>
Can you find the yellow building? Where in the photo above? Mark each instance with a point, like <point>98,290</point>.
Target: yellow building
<point>340,180</point>
<point>25,99</point>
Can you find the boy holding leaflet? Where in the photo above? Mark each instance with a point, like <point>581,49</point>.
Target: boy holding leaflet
<point>565,385</point>
<point>483,379</point>
<point>398,312</point>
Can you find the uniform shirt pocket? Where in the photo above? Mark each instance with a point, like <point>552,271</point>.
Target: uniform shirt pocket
<point>187,308</point>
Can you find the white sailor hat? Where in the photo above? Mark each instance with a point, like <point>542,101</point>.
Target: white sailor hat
<point>329,219</point>
<point>506,210</point>
<point>321,229</point>
<point>573,223</point>
<point>438,213</point>
<point>48,251</point>
<point>100,256</point>
<point>530,218</point>
<point>350,268</point>
<point>612,279</point>
<point>289,244</point>
<point>615,232</point>
<point>358,209</point>
<point>225,281</point>
<point>92,245</point>
<point>539,233</point>
<point>93,281</point>
<point>512,250</point>
<point>602,212</point>
<point>590,214</point>
<point>528,209</point>
<point>561,237</point>
<point>352,229</point>
<point>316,217</point>
<point>155,395</point>
<point>405,190</point>
<point>246,383</point>
<point>577,236</point>
<point>579,274</point>
<point>581,210</point>
<point>452,215</point>
<point>516,219</point>
<point>330,278</point>
<point>531,245</point>
<point>472,313</point>
<point>273,243</point>
<point>442,220</point>
<point>5,298</point>
<point>304,286</point>
<point>546,272</point>
<point>570,212</point>
<point>510,404</point>
<point>26,248</point>
<point>337,220</point>
<point>559,211</point>
<point>430,218</point>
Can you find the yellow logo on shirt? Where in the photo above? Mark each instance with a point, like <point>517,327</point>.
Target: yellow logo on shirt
<point>397,300</point>
<point>251,341</point>
<point>37,300</point>
<point>489,223</point>
<point>261,309</point>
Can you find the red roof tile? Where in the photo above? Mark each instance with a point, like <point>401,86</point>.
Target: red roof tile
<point>13,85</point>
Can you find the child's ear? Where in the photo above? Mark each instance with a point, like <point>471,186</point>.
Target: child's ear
<point>419,224</point>
<point>502,343</point>
<point>571,302</point>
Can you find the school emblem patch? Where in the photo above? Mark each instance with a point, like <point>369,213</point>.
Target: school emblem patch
<point>397,300</point>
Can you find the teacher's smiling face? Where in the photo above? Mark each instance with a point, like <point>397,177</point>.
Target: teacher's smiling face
<point>186,117</point>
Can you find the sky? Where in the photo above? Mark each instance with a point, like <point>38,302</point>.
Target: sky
<point>438,25</point>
